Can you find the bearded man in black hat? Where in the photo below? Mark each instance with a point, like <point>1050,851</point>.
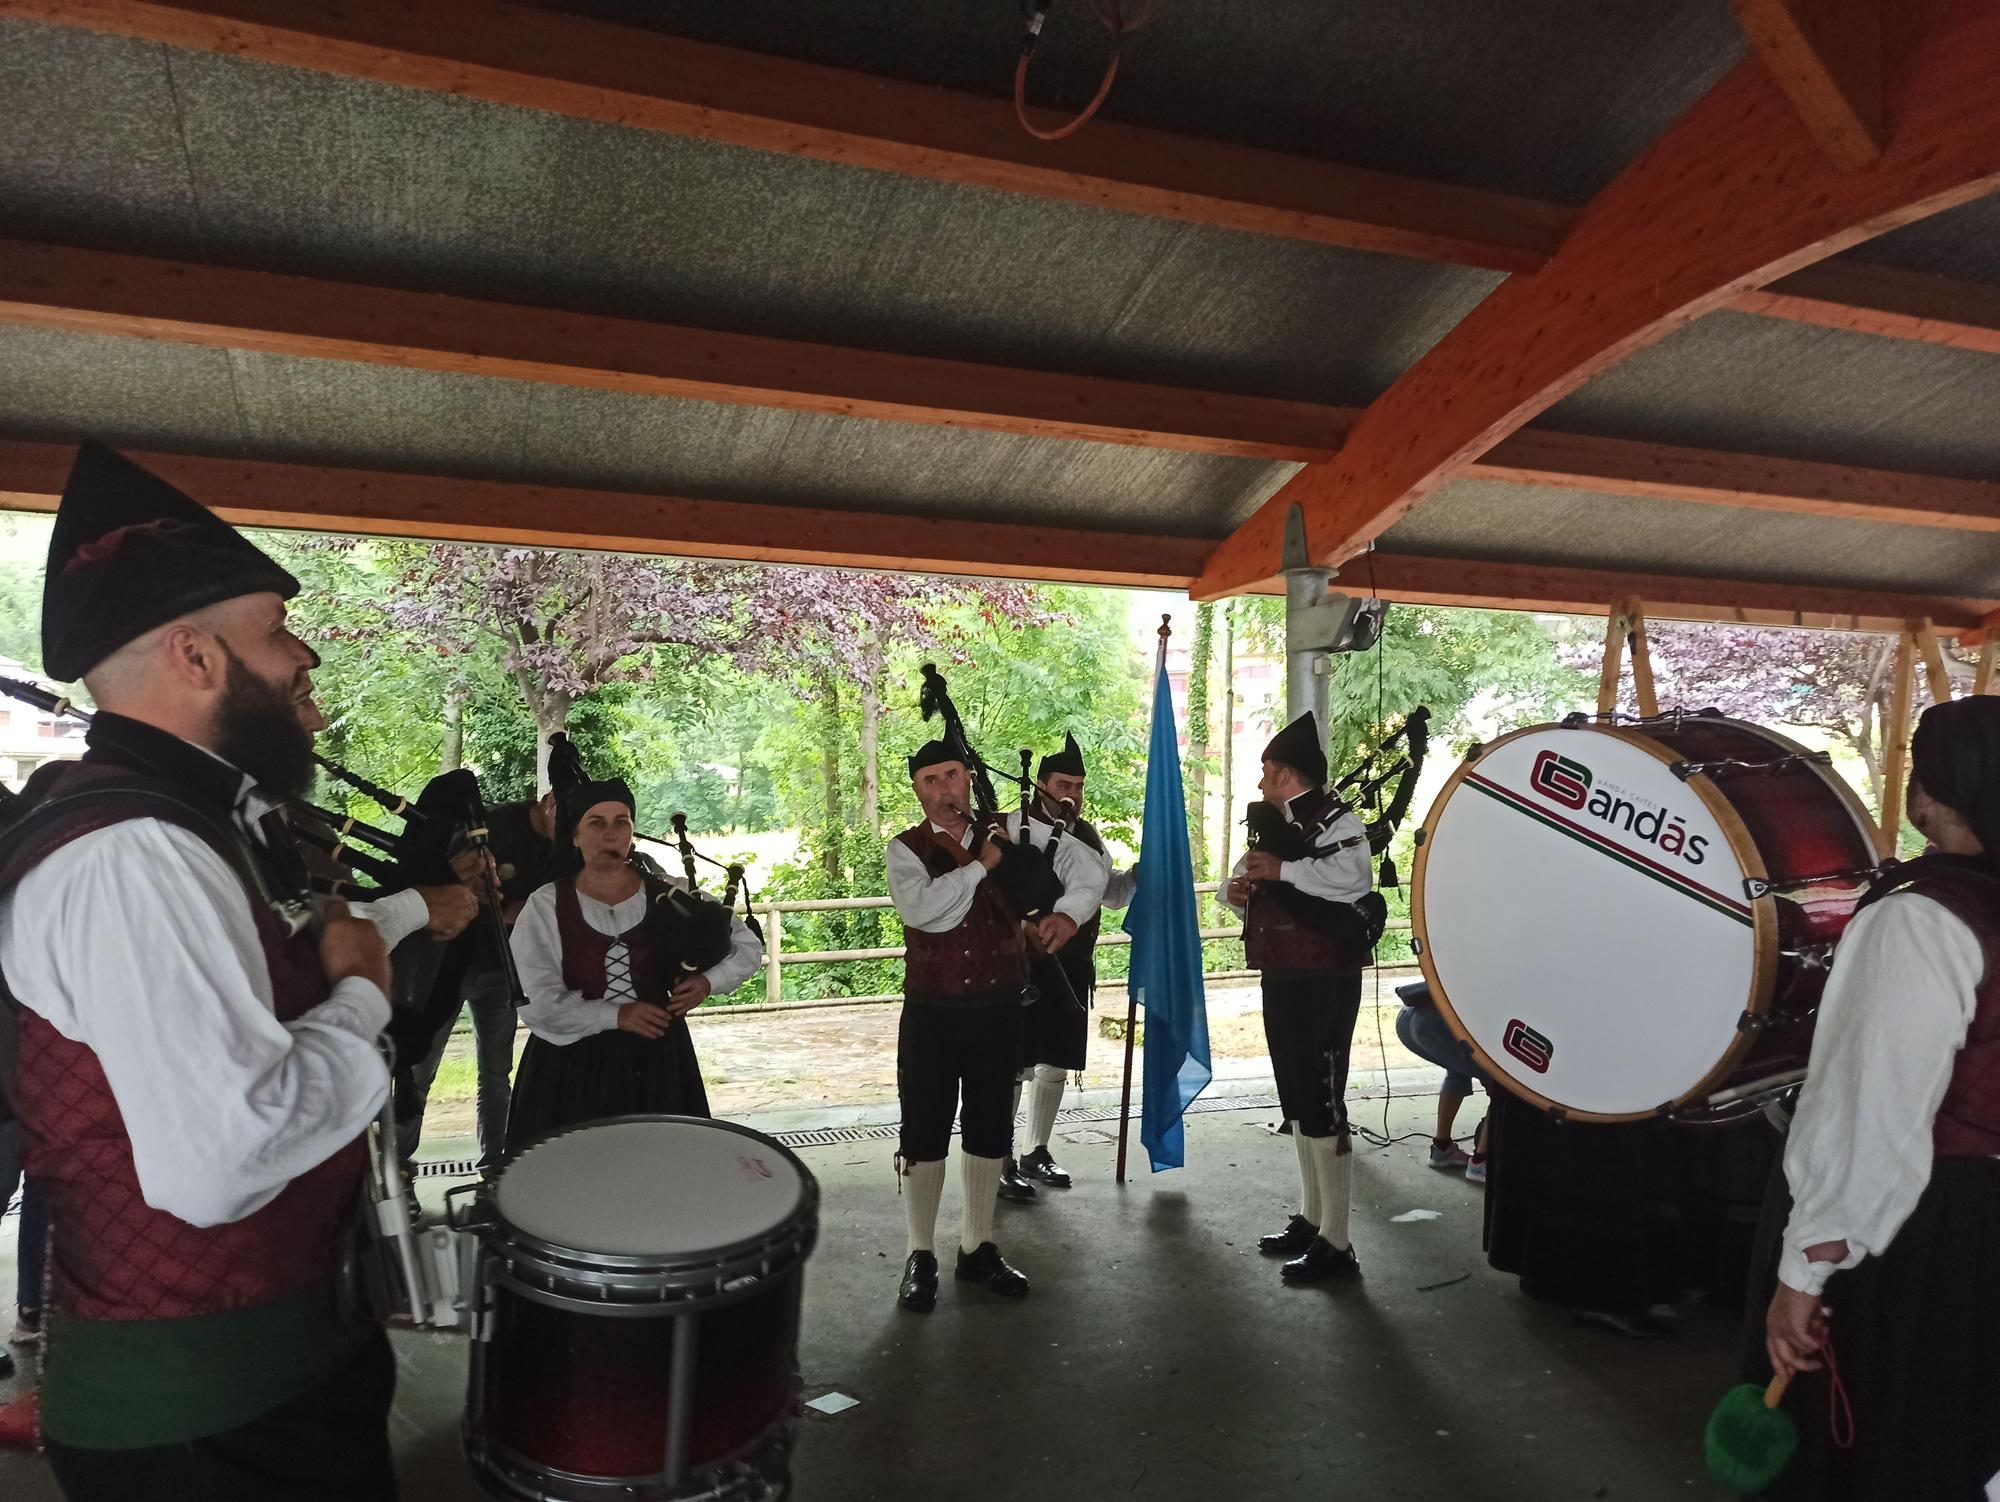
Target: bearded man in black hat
<point>1893,1159</point>
<point>1312,989</point>
<point>1062,964</point>
<point>958,1046</point>
<point>195,1067</point>
<point>601,962</point>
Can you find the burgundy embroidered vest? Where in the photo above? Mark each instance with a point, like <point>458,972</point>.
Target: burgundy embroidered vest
<point>117,1258</point>
<point>585,950</point>
<point>1968,1121</point>
<point>983,958</point>
<point>1277,941</point>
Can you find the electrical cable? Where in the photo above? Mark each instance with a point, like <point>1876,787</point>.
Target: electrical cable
<point>1112,14</point>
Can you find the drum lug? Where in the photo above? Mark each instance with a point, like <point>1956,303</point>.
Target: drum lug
<point>1416,945</point>
<point>1688,769</point>
<point>1752,1022</point>
<point>1811,956</point>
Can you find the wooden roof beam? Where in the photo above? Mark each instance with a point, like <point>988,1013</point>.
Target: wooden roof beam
<point>1731,197</point>
<point>374,503</point>
<point>1827,57</point>
<point>1890,303</point>
<point>93,292</point>
<point>647,80</point>
<point>1419,580</point>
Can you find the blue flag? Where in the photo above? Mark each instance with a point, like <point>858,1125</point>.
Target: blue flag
<point>1166,948</point>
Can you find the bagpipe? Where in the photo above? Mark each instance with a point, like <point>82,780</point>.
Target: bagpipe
<point>1398,759</point>
<point>1026,873</point>
<point>690,930</point>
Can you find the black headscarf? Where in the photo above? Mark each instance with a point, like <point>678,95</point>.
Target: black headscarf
<point>1955,756</point>
<point>576,801</point>
<point>931,754</point>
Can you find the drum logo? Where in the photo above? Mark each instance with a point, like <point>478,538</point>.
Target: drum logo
<point>1527,1045</point>
<point>753,1168</point>
<point>1561,780</point>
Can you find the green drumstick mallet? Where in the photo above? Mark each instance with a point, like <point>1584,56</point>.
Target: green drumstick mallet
<point>1750,1439</point>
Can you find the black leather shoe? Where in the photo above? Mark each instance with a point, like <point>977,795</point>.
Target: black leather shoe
<point>1291,1241</point>
<point>985,1266</point>
<point>1321,1262</point>
<point>1013,1186</point>
<point>920,1278</point>
<point>1039,1166</point>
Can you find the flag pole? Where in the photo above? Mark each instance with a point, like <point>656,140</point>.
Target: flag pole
<point>1131,997</point>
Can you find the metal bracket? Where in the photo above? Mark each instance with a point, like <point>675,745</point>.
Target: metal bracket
<point>1687,769</point>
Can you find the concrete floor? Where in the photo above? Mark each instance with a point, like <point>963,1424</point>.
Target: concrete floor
<point>1160,1356</point>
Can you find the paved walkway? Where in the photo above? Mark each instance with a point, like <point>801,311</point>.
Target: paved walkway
<point>760,1062</point>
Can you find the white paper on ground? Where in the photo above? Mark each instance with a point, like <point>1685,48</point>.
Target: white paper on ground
<point>833,1402</point>
<point>1409,1215</point>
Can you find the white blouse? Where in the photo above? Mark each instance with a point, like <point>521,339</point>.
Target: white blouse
<point>557,1014</point>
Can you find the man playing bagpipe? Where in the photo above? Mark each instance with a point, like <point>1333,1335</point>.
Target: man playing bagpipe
<point>1310,922</point>
<point>612,958</point>
<point>1062,964</point>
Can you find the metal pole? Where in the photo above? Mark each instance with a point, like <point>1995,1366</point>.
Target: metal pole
<point>1314,615</point>
<point>1125,1096</point>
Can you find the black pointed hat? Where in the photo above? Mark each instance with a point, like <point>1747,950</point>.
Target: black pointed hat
<point>1299,747</point>
<point>130,552</point>
<point>1066,763</point>
<point>930,754</point>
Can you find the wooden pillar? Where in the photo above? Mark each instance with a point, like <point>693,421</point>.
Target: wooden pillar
<point>1614,658</point>
<point>1896,758</point>
<point>1642,659</point>
<point>1935,672</point>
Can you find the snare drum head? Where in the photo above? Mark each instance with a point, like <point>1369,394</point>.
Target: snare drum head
<point>651,1187</point>
<point>1584,923</point>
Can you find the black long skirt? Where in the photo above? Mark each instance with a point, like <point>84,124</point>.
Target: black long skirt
<point>1915,1332</point>
<point>612,1073</point>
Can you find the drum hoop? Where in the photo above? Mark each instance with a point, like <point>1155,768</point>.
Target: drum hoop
<point>649,1294</point>
<point>488,1453</point>
<point>1764,926</point>
<point>804,1216</point>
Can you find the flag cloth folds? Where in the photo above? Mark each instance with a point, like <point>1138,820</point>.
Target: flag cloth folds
<point>1166,948</point>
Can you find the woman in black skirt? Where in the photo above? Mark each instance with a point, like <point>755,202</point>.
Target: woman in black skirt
<point>612,958</point>
<point>1889,1267</point>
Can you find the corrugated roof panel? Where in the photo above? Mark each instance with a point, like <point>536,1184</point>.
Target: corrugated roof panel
<point>1481,519</point>
<point>1731,381</point>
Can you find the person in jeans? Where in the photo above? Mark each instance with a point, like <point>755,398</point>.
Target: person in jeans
<point>1425,1033</point>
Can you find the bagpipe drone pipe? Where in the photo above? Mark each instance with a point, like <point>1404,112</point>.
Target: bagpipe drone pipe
<point>1356,925</point>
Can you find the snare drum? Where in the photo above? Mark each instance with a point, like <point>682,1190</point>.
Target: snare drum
<point>637,1314</point>
<point>1628,922</point>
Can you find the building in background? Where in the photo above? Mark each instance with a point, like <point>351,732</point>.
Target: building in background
<point>29,736</point>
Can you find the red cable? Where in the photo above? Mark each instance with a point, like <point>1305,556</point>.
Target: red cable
<point>1839,1411</point>
<point>1111,14</point>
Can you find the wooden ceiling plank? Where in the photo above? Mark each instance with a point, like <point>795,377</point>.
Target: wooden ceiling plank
<point>1827,57</point>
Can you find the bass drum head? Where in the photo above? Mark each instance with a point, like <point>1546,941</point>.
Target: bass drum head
<point>1583,921</point>
<point>651,1189</point>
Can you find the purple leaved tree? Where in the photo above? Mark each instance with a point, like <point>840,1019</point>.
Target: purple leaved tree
<point>1836,682</point>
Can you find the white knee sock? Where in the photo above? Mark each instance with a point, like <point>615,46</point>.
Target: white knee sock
<point>1308,1180</point>
<point>923,1187</point>
<point>981,1177</point>
<point>1334,1172</point>
<point>1015,1116</point>
<point>1047,1100</point>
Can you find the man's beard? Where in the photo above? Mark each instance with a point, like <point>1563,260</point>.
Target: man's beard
<point>257,730</point>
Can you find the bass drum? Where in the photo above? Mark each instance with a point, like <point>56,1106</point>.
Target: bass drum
<point>1635,921</point>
